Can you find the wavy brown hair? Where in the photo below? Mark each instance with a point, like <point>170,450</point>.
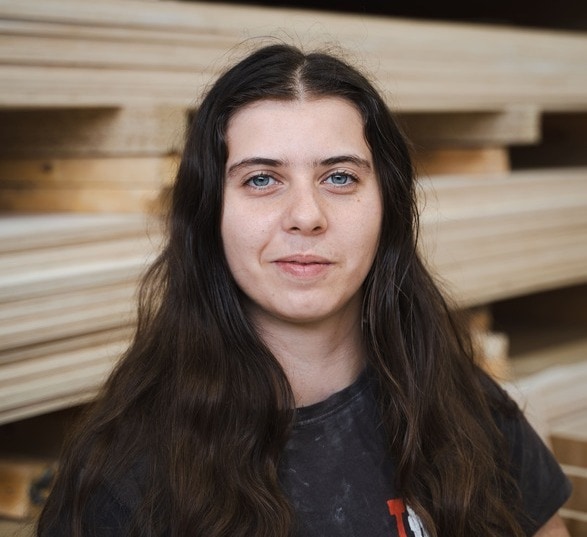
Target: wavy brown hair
<point>200,408</point>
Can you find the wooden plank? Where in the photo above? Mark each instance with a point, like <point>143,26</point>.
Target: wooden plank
<point>69,345</point>
<point>62,317</point>
<point>519,125</point>
<point>489,280</point>
<point>71,376</point>
<point>54,259</point>
<point>578,477</point>
<point>488,238</point>
<point>81,276</point>
<point>124,173</point>
<point>575,521</point>
<point>20,232</point>
<point>566,352</point>
<point>487,160</point>
<point>419,63</point>
<point>44,307</point>
<point>148,54</point>
<point>564,143</point>
<point>97,88</point>
<point>124,131</point>
<point>555,402</point>
<point>102,200</point>
<point>461,196</point>
<point>569,439</point>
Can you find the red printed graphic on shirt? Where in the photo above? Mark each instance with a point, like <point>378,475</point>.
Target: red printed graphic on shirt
<point>397,509</point>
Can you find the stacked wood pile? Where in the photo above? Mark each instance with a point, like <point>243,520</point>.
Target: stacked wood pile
<point>555,401</point>
<point>569,441</point>
<point>94,98</point>
<point>67,286</point>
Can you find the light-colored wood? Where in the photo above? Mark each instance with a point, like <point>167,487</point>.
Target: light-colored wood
<point>572,350</point>
<point>419,64</point>
<point>569,439</point>
<point>54,382</point>
<point>57,317</point>
<point>488,238</point>
<point>124,173</point>
<point>132,184</point>
<point>104,200</point>
<point>555,403</point>
<point>576,522</point>
<point>578,477</point>
<point>21,232</point>
<point>91,132</point>
<point>488,160</point>
<point>71,344</point>
<point>515,125</point>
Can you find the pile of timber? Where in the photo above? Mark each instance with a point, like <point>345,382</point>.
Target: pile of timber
<point>67,287</point>
<point>491,237</point>
<point>94,98</point>
<point>117,53</point>
<point>555,402</point>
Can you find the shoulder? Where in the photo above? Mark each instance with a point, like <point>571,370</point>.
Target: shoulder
<point>540,480</point>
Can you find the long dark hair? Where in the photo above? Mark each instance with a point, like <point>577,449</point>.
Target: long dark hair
<point>199,407</point>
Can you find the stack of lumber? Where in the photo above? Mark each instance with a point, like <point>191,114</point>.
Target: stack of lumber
<point>569,441</point>
<point>67,285</point>
<point>85,184</point>
<point>94,98</point>
<point>555,402</point>
<point>116,53</point>
<point>490,237</point>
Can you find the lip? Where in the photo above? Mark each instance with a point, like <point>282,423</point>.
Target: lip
<point>303,265</point>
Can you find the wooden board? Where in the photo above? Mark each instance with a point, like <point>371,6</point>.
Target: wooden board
<point>515,125</point>
<point>95,173</point>
<point>555,402</point>
<point>422,66</point>
<point>433,162</point>
<point>488,238</point>
<point>98,200</point>
<point>50,318</point>
<point>576,522</point>
<point>137,131</point>
<point>52,382</point>
<point>71,344</point>
<point>22,232</point>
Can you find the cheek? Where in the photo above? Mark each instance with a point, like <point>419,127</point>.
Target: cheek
<point>242,239</point>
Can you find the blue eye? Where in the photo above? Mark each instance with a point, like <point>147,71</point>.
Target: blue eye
<point>260,181</point>
<point>340,179</point>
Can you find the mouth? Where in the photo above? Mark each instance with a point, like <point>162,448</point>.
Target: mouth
<point>301,259</point>
<point>304,266</point>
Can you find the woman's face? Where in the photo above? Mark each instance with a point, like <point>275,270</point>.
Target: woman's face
<point>302,208</point>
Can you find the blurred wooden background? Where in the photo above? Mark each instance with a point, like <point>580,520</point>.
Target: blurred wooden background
<point>94,99</point>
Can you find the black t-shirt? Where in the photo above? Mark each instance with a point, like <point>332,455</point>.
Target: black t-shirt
<point>340,480</point>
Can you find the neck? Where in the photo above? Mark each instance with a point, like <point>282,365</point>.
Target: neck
<point>318,359</point>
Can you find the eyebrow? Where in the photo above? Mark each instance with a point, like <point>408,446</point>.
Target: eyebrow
<point>276,163</point>
<point>353,159</point>
<point>254,161</point>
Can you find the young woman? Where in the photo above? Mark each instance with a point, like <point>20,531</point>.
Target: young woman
<point>295,370</point>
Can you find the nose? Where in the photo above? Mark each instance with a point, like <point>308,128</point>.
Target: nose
<point>305,212</point>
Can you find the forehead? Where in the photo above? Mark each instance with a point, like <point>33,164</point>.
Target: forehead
<point>297,127</point>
